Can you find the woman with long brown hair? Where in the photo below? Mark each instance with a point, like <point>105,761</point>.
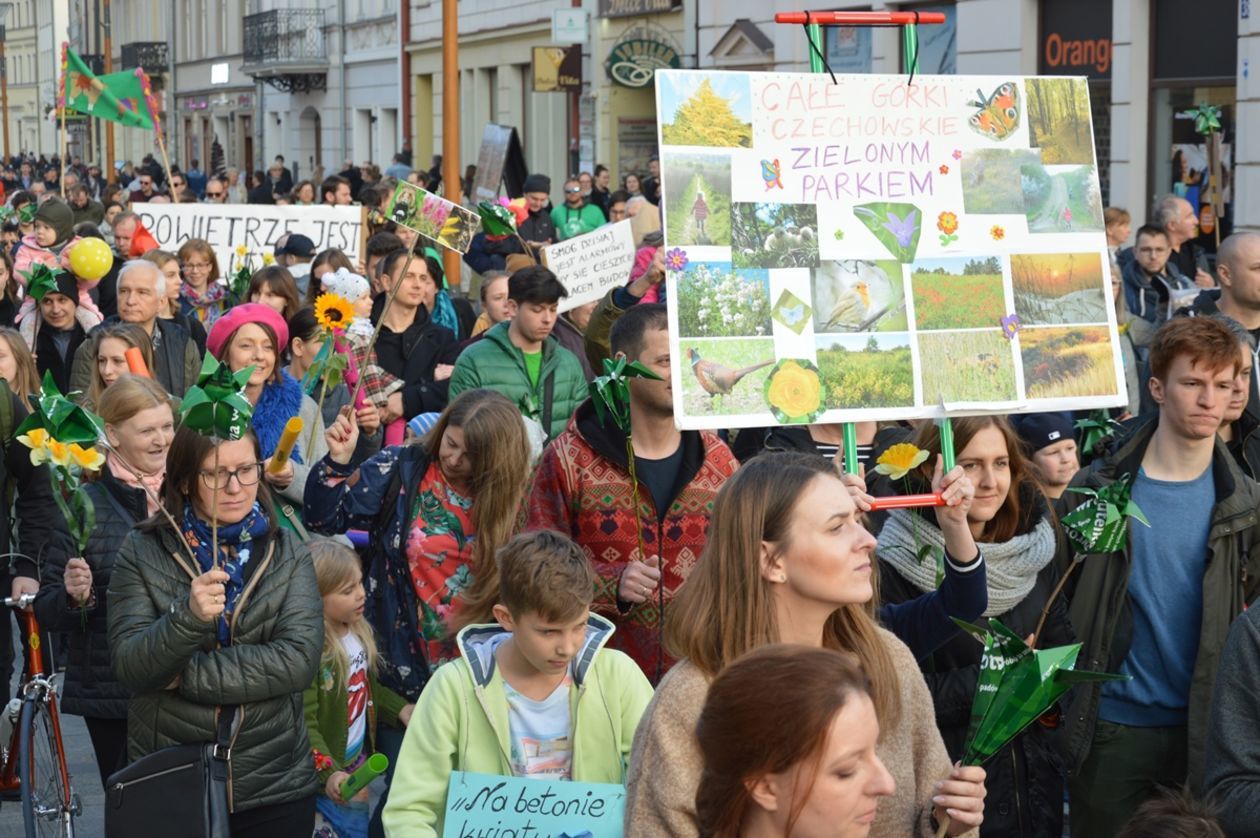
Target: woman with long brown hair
<point>202,296</point>
<point>17,365</point>
<point>819,775</point>
<point>274,286</point>
<point>788,561</point>
<point>108,345</point>
<point>1025,554</point>
<point>437,511</point>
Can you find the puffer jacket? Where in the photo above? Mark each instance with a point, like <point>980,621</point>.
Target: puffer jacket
<point>179,675</point>
<point>91,689</point>
<point>1099,606</point>
<point>494,362</point>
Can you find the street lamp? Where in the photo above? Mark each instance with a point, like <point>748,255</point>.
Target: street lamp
<point>5,8</point>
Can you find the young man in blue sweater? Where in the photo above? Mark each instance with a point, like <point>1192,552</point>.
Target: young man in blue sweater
<point>1158,610</point>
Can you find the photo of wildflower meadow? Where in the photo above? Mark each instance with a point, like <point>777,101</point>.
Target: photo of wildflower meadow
<point>716,300</point>
<point>1067,362</point>
<point>974,366</point>
<point>862,371</point>
<point>433,217</point>
<point>725,376</point>
<point>958,293</point>
<point>1056,288</point>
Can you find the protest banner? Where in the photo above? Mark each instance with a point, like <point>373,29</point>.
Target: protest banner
<point>256,226</point>
<point>516,807</point>
<point>590,264</point>
<point>862,249</point>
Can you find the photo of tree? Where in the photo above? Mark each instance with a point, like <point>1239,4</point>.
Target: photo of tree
<point>1056,288</point>
<point>697,199</point>
<point>958,293</point>
<point>706,109</point>
<point>1059,120</point>
<point>1067,362</point>
<point>774,235</point>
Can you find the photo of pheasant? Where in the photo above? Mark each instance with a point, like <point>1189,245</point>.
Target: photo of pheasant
<point>727,375</point>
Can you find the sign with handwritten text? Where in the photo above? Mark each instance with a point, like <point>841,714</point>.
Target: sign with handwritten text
<point>862,248</point>
<point>589,264</point>
<point>257,226</point>
<point>491,806</point>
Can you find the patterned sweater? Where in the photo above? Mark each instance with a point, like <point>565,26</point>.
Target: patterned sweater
<point>582,489</point>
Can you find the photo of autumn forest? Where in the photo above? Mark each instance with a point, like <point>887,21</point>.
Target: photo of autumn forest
<point>706,109</point>
<point>1058,120</point>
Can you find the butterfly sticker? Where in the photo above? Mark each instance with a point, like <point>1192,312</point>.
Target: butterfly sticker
<point>998,116</point>
<point>771,173</point>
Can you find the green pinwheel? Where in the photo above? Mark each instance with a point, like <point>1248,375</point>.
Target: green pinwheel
<point>496,219</point>
<point>61,418</point>
<point>1097,428</point>
<point>216,406</point>
<point>41,280</point>
<point>25,215</point>
<point>1016,685</point>
<point>1098,525</point>
<point>1207,119</point>
<point>611,391</point>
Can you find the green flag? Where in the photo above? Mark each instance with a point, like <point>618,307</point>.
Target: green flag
<point>118,97</point>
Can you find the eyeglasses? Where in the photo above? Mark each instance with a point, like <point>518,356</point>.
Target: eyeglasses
<point>210,194</point>
<point>245,476</point>
<point>573,191</point>
<point>196,266</point>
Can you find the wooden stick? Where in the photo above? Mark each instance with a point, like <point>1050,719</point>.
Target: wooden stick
<point>214,515</point>
<point>376,332</point>
<point>166,164</point>
<point>1045,612</point>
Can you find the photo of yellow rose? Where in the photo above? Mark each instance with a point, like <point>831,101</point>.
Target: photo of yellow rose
<point>794,390</point>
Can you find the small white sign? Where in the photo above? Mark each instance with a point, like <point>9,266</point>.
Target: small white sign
<point>568,26</point>
<point>219,73</point>
<point>590,264</point>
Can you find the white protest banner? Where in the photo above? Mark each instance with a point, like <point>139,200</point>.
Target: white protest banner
<point>490,805</point>
<point>860,249</point>
<point>256,226</point>
<point>590,264</point>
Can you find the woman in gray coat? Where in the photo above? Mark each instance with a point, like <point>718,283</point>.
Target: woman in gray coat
<point>193,634</point>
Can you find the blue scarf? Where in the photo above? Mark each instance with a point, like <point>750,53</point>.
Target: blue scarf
<point>444,313</point>
<point>235,541</point>
<point>280,401</point>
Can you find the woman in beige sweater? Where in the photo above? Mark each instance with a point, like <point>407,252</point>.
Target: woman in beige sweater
<point>788,561</point>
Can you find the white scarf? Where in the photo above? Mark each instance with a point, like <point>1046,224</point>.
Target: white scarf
<point>1011,567</point>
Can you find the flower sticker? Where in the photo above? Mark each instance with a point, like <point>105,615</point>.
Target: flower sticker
<point>1010,326</point>
<point>947,223</point>
<point>957,154</point>
<point>792,312</point>
<point>944,169</point>
<point>900,459</point>
<point>838,235</point>
<point>997,232</point>
<point>676,259</point>
<point>794,391</point>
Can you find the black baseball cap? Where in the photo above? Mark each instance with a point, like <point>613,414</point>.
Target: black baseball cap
<point>300,246</point>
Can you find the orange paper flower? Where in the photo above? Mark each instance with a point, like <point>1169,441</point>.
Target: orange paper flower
<point>997,232</point>
<point>947,223</point>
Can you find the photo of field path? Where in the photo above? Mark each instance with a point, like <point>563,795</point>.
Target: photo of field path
<point>967,366</point>
<point>697,200</point>
<point>863,371</point>
<point>1059,288</point>
<point>958,293</point>
<point>1067,362</point>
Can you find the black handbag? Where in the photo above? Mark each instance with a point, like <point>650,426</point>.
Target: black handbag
<point>184,784</point>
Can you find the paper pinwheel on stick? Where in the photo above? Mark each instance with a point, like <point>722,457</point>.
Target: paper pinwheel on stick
<point>1094,430</point>
<point>611,394</point>
<point>1207,123</point>
<point>1099,525</point>
<point>499,220</point>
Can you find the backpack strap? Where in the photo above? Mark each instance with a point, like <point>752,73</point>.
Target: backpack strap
<point>549,399</point>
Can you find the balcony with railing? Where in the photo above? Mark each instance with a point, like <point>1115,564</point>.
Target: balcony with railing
<point>287,49</point>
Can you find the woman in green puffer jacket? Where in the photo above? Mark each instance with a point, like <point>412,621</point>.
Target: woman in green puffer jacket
<point>190,634</point>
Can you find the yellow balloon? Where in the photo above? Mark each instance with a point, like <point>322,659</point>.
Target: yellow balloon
<point>91,259</point>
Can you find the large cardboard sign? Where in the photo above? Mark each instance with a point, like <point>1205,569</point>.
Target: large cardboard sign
<point>591,263</point>
<point>256,226</point>
<point>860,249</point>
<point>490,805</point>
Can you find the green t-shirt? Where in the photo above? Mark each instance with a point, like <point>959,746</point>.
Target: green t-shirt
<point>533,366</point>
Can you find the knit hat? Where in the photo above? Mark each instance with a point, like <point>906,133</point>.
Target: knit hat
<point>57,214</point>
<point>237,316</point>
<point>422,423</point>
<point>1039,430</point>
<point>346,284</point>
<point>537,183</point>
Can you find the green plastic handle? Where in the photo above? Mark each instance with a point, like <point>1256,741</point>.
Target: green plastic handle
<point>366,773</point>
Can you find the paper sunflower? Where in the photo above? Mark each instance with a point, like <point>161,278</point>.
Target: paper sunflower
<point>333,311</point>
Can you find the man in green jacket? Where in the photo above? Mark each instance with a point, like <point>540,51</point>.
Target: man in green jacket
<point>520,359</point>
<point>1159,609</point>
<point>575,217</point>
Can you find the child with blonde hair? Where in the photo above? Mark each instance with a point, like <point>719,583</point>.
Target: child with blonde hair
<point>345,703</point>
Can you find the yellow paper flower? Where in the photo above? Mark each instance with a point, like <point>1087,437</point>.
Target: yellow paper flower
<point>899,459</point>
<point>88,459</point>
<point>794,391</point>
<point>37,441</point>
<point>58,452</point>
<point>947,223</point>
<point>242,251</point>
<point>333,311</point>
<point>268,259</point>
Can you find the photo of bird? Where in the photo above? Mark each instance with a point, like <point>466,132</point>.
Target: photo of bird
<point>715,379</point>
<point>853,296</point>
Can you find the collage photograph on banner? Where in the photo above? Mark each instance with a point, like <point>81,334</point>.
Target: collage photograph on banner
<point>863,249</point>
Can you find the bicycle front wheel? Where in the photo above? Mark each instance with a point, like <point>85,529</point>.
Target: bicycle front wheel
<point>47,805</point>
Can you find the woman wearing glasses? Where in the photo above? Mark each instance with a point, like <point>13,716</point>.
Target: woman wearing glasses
<point>202,296</point>
<point>194,634</point>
